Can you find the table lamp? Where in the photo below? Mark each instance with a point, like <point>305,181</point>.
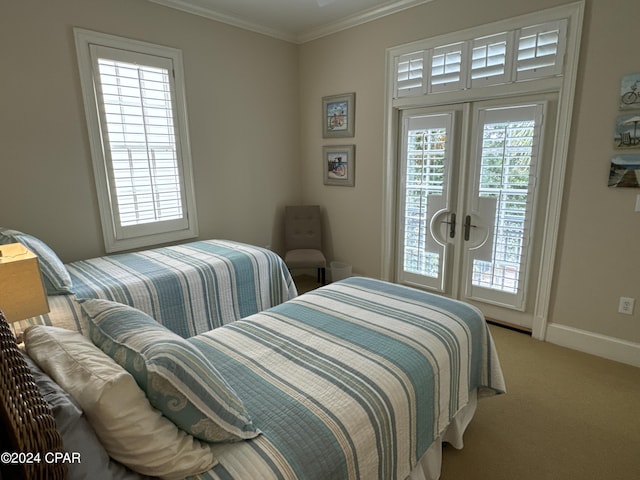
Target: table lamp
<point>22,293</point>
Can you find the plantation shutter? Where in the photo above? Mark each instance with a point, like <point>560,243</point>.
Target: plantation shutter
<point>504,186</point>
<point>137,124</point>
<point>491,60</point>
<point>448,69</point>
<point>541,50</point>
<point>410,74</point>
<point>425,165</point>
<point>513,56</point>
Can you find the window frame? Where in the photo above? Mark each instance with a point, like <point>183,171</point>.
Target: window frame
<point>116,237</point>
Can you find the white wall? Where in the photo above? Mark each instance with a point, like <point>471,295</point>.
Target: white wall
<point>242,101</point>
<point>597,258</point>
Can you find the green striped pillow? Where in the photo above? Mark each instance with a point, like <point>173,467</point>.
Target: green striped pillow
<point>177,378</point>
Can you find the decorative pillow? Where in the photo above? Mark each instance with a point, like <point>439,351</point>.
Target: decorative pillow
<point>129,428</point>
<point>57,280</point>
<point>177,378</point>
<point>77,434</point>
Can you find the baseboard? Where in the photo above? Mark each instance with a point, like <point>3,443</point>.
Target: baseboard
<point>594,344</point>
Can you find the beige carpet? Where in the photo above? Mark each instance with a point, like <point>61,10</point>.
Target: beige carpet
<point>566,416</point>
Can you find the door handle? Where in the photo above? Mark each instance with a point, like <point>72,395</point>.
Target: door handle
<point>467,227</point>
<point>452,225</point>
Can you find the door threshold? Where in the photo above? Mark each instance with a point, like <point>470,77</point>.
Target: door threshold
<point>510,326</point>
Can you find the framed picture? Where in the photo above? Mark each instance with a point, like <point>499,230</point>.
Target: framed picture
<point>627,131</point>
<point>339,165</point>
<point>338,115</point>
<point>630,91</point>
<point>625,171</point>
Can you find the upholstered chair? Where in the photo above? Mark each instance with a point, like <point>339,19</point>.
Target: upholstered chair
<point>303,239</point>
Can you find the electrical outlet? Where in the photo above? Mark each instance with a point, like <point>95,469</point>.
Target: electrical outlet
<point>626,305</point>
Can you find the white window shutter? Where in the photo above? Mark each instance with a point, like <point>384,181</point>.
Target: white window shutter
<point>410,74</point>
<point>491,59</point>
<point>541,50</point>
<point>449,67</point>
<point>136,117</point>
<point>138,112</point>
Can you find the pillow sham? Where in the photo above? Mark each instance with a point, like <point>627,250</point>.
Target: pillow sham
<point>57,280</point>
<point>177,378</point>
<point>77,434</point>
<point>129,428</point>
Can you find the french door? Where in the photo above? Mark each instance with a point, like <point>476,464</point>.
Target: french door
<point>472,182</point>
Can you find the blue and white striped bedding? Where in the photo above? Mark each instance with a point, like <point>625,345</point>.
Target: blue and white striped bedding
<point>351,381</point>
<point>189,288</point>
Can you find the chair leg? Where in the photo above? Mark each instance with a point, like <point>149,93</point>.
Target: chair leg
<point>322,273</point>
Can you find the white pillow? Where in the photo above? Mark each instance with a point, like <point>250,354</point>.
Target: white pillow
<point>131,430</point>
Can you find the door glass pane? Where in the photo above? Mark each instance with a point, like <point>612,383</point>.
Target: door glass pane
<point>425,175</point>
<point>424,194</point>
<point>508,165</point>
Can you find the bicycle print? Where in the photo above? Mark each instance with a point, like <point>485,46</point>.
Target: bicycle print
<point>629,94</point>
<point>339,167</point>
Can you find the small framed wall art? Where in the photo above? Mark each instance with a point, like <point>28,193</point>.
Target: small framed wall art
<point>338,115</point>
<point>629,91</point>
<point>625,171</point>
<point>339,165</point>
<point>627,131</point>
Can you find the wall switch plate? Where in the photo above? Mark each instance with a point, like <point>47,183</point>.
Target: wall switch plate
<point>626,305</point>
<point>638,203</point>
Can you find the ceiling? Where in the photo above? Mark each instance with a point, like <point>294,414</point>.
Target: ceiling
<point>296,21</point>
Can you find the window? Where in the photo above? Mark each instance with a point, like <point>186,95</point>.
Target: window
<point>425,146</point>
<point>447,68</point>
<point>540,50</point>
<point>537,50</point>
<point>409,74</point>
<point>136,116</point>
<point>490,60</point>
<point>508,169</point>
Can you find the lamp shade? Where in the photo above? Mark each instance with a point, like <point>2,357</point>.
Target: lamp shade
<point>22,293</point>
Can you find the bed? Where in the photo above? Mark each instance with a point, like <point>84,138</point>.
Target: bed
<point>189,288</point>
<point>360,379</point>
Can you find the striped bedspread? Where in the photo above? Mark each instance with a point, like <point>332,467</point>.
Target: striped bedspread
<point>189,288</point>
<point>351,381</point>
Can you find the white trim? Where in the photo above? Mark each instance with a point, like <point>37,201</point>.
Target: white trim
<point>594,343</point>
<point>575,13</point>
<point>369,15</point>
<point>206,12</point>
<point>360,18</point>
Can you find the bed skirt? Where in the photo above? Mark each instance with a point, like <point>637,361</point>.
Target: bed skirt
<point>429,465</point>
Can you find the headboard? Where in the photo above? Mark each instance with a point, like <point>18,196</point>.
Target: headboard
<point>30,435</point>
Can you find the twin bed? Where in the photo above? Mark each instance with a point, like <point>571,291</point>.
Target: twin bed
<point>360,379</point>
<point>189,288</point>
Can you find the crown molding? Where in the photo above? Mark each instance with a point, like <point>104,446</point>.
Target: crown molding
<point>194,7</point>
<point>359,18</point>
